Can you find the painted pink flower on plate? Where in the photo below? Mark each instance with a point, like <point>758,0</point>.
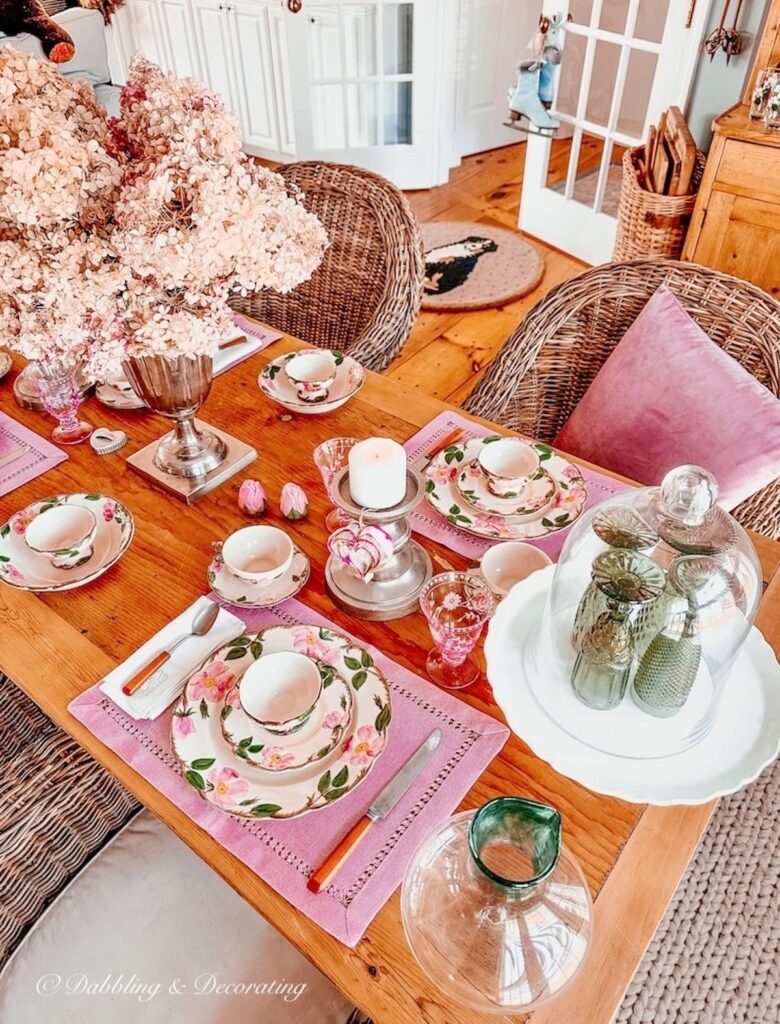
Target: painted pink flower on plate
<point>231,698</point>
<point>11,572</point>
<point>571,473</point>
<point>441,473</point>
<point>183,724</point>
<point>228,785</point>
<point>333,720</point>
<point>108,511</point>
<point>276,758</point>
<point>363,747</point>
<point>211,683</point>
<point>22,520</point>
<point>307,640</point>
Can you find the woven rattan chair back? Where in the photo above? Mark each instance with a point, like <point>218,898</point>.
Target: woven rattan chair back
<point>548,363</point>
<point>365,295</point>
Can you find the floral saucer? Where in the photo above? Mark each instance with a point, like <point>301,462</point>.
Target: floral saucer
<point>25,569</point>
<point>318,737</point>
<point>537,495</point>
<point>119,394</point>
<point>441,490</point>
<point>231,588</point>
<point>227,781</point>
<point>274,382</point>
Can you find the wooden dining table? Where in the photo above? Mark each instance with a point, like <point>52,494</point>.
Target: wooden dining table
<point>56,645</point>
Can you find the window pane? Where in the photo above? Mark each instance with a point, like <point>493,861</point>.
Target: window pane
<point>360,40</point>
<point>636,93</point>
<point>651,20</point>
<point>327,108</point>
<point>398,113</point>
<point>571,74</point>
<point>397,36</point>
<point>613,16</point>
<point>602,82</point>
<point>580,11</point>
<point>324,46</point>
<point>362,119</point>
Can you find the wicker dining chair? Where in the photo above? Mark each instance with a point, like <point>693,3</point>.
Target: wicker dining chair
<point>548,363</point>
<point>365,295</point>
<point>59,808</point>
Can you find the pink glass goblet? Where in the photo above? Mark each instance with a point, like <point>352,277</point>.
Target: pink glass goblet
<point>457,605</point>
<point>61,396</point>
<point>330,458</point>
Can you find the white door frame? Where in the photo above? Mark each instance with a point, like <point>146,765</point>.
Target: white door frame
<point>555,217</point>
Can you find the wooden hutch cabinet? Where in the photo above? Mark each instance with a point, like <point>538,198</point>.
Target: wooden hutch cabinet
<point>736,223</point>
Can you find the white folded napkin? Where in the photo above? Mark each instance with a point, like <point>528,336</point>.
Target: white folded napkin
<point>257,338</point>
<point>167,683</point>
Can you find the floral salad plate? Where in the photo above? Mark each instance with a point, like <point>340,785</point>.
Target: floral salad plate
<point>276,385</point>
<point>442,491</point>
<point>326,728</point>
<point>249,595</point>
<point>226,779</point>
<point>25,569</point>
<point>537,495</point>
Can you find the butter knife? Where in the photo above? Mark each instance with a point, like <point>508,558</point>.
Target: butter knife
<point>380,808</point>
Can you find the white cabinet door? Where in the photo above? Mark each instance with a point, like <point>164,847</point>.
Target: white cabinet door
<point>284,107</point>
<point>213,36</point>
<point>179,40</point>
<point>254,73</point>
<point>146,30</point>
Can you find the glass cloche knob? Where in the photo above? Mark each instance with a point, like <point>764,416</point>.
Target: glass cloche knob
<point>496,911</point>
<point>687,494</point>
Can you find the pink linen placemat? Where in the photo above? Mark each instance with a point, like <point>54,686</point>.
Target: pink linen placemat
<point>285,853</point>
<point>262,335</point>
<point>42,454</point>
<point>426,520</point>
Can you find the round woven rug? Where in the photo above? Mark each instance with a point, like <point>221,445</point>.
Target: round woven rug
<point>475,266</point>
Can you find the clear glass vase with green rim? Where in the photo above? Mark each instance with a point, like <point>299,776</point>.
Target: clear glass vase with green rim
<point>495,909</point>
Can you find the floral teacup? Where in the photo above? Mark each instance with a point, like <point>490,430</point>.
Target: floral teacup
<point>505,564</point>
<point>258,554</point>
<point>313,374</point>
<point>280,691</point>
<point>508,465</point>
<point>65,534</point>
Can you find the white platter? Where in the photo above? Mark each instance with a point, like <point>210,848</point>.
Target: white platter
<point>743,740</point>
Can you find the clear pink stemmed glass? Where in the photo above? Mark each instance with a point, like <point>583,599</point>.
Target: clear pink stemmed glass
<point>457,605</point>
<point>61,397</point>
<point>330,458</point>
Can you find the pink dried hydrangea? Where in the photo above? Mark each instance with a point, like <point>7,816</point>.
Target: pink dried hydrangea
<point>127,237</point>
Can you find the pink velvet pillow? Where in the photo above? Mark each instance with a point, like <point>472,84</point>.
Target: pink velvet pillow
<point>668,395</point>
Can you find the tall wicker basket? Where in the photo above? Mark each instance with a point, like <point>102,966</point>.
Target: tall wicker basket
<point>651,225</point>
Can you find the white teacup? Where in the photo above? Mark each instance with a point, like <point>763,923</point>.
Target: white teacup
<point>258,554</point>
<point>508,465</point>
<point>65,534</point>
<point>280,691</point>
<point>508,563</point>
<point>313,374</point>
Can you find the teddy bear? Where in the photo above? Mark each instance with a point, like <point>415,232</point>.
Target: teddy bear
<point>30,16</point>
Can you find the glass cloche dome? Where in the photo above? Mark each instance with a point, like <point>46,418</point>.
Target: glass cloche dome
<point>654,594</point>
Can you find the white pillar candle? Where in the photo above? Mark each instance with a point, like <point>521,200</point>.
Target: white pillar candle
<point>377,473</point>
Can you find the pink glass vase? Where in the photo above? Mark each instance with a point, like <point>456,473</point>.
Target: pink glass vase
<point>61,397</point>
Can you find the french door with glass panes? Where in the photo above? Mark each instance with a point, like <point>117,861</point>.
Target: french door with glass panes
<point>624,62</point>
<point>368,85</point>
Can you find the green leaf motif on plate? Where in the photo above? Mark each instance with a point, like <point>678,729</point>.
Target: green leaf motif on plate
<point>453,453</point>
<point>338,357</point>
<point>5,530</point>
<point>340,778</point>
<point>366,660</point>
<point>351,662</point>
<point>359,679</point>
<point>326,675</point>
<point>92,497</point>
<point>491,438</point>
<point>204,708</point>
<point>334,794</point>
<point>236,652</point>
<point>324,783</point>
<point>430,487</point>
<point>256,648</point>
<point>265,810</point>
<point>383,719</point>
<point>196,779</point>
<point>202,763</point>
<point>4,558</point>
<point>544,450</point>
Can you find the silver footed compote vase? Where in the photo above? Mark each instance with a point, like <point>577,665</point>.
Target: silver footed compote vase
<point>176,388</point>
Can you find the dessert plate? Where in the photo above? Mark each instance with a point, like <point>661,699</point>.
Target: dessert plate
<point>536,496</point>
<point>231,588</point>
<point>743,740</point>
<point>227,781</point>
<point>442,493</point>
<point>275,384</point>
<point>327,726</point>
<point>25,569</point>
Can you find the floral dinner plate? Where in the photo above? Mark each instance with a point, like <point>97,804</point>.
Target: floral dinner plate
<point>274,382</point>
<point>25,569</point>
<point>327,727</point>
<point>226,780</point>
<point>441,490</point>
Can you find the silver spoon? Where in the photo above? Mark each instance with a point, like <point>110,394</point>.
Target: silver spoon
<point>201,624</point>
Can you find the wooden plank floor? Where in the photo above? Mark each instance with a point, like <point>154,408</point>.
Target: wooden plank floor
<point>447,352</point>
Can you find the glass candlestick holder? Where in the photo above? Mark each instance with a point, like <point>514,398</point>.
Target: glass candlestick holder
<point>394,590</point>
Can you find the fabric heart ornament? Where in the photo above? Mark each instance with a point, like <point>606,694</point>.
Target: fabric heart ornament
<point>362,549</point>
